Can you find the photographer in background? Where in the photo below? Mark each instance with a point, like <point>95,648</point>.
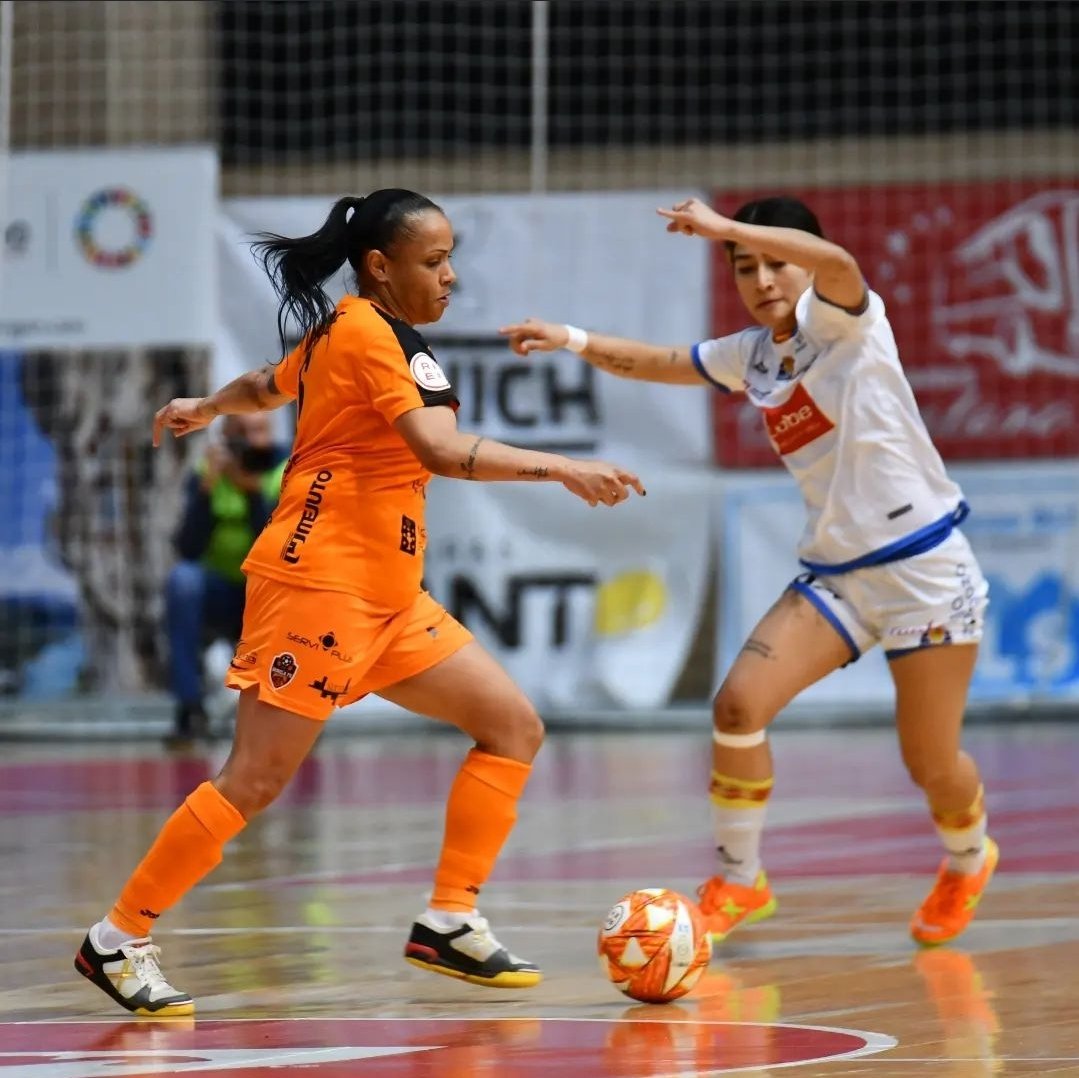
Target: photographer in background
<point>228,500</point>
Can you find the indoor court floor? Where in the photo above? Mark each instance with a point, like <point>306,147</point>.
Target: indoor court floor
<point>292,948</point>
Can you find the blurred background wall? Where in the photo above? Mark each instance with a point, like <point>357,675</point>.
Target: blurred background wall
<point>937,138</point>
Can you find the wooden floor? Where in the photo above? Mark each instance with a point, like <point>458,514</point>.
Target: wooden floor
<point>292,947</point>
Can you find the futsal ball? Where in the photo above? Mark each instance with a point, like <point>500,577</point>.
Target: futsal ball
<point>653,945</point>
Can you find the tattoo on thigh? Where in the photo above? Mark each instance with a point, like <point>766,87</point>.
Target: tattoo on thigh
<point>759,647</point>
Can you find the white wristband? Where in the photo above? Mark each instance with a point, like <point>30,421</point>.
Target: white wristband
<point>578,339</point>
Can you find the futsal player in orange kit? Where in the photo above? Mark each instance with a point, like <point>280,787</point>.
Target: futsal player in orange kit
<point>335,608</point>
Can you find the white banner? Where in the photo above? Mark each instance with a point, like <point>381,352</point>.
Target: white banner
<point>1024,528</point>
<point>599,261</point>
<point>586,608</point>
<point>106,248</point>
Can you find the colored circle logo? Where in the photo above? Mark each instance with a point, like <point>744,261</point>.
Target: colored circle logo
<point>630,602</point>
<point>114,228</point>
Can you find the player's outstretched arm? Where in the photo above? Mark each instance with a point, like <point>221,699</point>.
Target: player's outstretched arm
<point>617,355</point>
<point>254,391</point>
<point>836,276</point>
<point>432,434</point>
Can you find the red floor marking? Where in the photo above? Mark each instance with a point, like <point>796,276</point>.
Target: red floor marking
<point>327,1048</point>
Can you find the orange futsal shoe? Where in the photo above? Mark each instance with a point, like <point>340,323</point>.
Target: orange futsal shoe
<point>727,905</point>
<point>950,906</point>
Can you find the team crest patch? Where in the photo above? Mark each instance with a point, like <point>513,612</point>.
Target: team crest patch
<point>283,669</point>
<point>427,373</point>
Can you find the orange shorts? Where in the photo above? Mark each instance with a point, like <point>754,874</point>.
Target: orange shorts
<point>311,651</point>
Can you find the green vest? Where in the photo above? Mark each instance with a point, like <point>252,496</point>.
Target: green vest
<point>231,538</point>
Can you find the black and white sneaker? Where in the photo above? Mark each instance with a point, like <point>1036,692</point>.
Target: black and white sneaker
<point>132,977</point>
<point>470,953</point>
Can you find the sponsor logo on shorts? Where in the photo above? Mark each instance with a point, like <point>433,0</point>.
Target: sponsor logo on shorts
<point>308,517</point>
<point>326,642</point>
<point>327,690</point>
<point>283,669</point>
<point>408,535</point>
<point>793,425</point>
<point>244,660</point>
<point>965,605</point>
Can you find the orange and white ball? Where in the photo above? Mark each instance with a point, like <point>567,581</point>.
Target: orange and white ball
<point>653,945</point>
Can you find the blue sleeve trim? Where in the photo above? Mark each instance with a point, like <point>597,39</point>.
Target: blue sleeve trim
<point>932,535</point>
<point>829,616</point>
<point>695,355</point>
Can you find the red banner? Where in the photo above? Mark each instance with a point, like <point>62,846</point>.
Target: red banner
<point>981,284</point>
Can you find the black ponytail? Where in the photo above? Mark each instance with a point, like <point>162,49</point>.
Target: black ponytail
<point>299,267</point>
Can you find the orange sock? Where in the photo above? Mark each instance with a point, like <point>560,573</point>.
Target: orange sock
<point>480,814</point>
<point>185,850</point>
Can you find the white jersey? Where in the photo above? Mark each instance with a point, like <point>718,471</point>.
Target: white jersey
<point>841,414</point>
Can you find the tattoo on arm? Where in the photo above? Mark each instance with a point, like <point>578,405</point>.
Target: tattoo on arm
<point>672,359</point>
<point>759,647</point>
<point>533,473</point>
<point>469,466</point>
<point>265,389</point>
<point>611,361</point>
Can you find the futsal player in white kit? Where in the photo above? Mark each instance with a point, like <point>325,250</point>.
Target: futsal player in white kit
<point>885,560</point>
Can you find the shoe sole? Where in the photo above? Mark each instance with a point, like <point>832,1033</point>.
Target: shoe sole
<point>993,859</point>
<point>499,980</point>
<point>759,914</point>
<point>169,1010</point>
<point>172,1010</point>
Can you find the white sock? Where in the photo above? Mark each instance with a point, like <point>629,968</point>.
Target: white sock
<point>738,842</point>
<point>966,847</point>
<point>447,920</point>
<point>106,937</point>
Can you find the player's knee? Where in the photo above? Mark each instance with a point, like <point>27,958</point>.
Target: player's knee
<point>252,789</point>
<point>517,732</point>
<point>929,774</point>
<point>528,728</point>
<point>735,712</point>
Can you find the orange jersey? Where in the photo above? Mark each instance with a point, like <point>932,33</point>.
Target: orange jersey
<point>351,513</point>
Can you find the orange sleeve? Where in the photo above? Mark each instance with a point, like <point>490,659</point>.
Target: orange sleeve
<point>384,367</point>
<point>286,375</point>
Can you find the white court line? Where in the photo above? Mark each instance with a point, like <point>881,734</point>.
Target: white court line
<point>457,1018</point>
<point>874,1044</point>
<point>982,1059</point>
<point>841,928</point>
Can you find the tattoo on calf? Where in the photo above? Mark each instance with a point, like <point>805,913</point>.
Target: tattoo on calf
<point>759,647</point>
<point>469,466</point>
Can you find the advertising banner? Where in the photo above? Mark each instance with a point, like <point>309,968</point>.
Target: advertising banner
<point>981,286</point>
<point>108,248</point>
<point>586,608</point>
<point>600,261</point>
<point>1024,528</point>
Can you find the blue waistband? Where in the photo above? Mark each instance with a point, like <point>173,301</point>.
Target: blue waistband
<point>908,547</point>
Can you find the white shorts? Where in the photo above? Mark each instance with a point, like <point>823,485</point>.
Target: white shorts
<point>938,597</point>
